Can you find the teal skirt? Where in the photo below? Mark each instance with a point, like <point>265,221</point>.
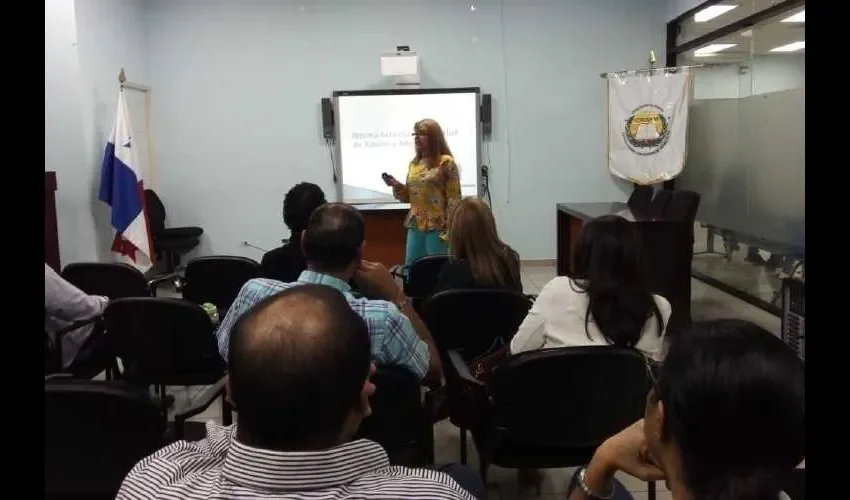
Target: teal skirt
<point>422,243</point>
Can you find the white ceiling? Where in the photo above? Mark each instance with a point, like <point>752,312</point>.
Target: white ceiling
<point>758,40</point>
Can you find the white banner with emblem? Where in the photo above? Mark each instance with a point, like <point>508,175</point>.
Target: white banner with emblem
<point>647,124</point>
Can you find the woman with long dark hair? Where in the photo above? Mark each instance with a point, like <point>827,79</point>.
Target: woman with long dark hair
<point>606,303</point>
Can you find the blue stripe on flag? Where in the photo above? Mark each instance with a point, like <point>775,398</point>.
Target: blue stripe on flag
<point>119,188</point>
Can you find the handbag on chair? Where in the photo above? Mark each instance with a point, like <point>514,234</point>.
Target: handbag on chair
<point>471,401</point>
<point>482,366</point>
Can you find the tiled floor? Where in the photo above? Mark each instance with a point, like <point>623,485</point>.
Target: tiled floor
<point>708,302</point>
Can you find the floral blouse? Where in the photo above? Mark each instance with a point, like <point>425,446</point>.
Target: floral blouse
<point>433,193</point>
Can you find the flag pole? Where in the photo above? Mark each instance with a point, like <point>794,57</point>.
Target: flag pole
<point>123,83</point>
<point>650,69</point>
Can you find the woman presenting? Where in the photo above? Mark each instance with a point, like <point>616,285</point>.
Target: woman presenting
<point>432,189</point>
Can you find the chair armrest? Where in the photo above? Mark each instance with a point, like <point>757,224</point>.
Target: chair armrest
<point>399,271</point>
<point>59,376</point>
<point>460,367</point>
<point>76,324</point>
<point>176,276</point>
<point>57,336</point>
<point>202,402</point>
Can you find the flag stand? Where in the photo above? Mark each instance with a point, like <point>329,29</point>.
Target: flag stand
<point>649,70</point>
<point>632,156</point>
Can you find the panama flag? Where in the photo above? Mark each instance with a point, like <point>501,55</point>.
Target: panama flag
<point>122,188</point>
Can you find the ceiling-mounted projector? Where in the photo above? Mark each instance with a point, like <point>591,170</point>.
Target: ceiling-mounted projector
<point>401,65</point>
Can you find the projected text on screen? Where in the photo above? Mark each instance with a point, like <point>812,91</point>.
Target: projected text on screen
<point>375,136</point>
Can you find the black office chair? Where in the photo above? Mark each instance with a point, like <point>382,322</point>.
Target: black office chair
<point>94,433</point>
<point>471,322</point>
<point>217,279</point>
<point>640,200</point>
<point>399,421</point>
<point>421,278</point>
<point>169,243</point>
<point>166,341</point>
<point>554,407</point>
<point>472,319</point>
<point>658,207</point>
<point>109,279</point>
<point>683,206</point>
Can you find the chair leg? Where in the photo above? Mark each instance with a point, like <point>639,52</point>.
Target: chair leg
<point>226,412</point>
<point>483,466</point>
<point>179,428</point>
<point>650,490</point>
<point>463,446</point>
<point>163,401</point>
<point>428,440</point>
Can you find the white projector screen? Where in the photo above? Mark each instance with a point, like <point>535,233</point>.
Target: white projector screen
<point>374,135</point>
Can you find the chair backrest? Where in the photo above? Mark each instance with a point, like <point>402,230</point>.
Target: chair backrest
<point>683,206</point>
<point>398,417</point>
<point>640,199</point>
<point>109,279</point>
<point>94,433</point>
<point>217,279</point>
<point>472,320</point>
<point>156,212</point>
<point>659,204</point>
<point>163,341</point>
<point>569,396</point>
<point>422,275</point>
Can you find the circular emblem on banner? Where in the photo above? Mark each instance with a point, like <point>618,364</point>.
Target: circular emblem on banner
<point>647,130</point>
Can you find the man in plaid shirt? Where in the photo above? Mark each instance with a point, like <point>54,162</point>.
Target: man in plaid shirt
<point>333,246</point>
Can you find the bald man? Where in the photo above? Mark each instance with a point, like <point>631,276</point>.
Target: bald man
<point>299,365</point>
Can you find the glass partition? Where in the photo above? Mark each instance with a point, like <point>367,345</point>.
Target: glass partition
<point>746,154</point>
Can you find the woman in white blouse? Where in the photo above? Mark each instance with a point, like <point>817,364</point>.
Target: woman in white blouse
<point>606,304</point>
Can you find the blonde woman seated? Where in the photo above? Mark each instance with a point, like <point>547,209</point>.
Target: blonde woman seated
<point>477,257</point>
<point>607,303</point>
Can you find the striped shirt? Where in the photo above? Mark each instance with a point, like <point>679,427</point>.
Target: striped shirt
<point>220,467</point>
<point>394,341</point>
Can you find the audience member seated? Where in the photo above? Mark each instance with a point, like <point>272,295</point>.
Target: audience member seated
<point>64,305</point>
<point>333,244</point>
<point>299,379</point>
<point>725,420</point>
<point>606,304</point>
<point>477,257</point>
<point>286,262</point>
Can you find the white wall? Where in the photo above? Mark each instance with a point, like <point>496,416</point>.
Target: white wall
<point>86,44</point>
<point>64,143</point>
<point>237,88</point>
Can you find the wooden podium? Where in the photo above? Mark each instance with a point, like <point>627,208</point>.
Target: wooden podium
<point>386,235</point>
<point>51,228</point>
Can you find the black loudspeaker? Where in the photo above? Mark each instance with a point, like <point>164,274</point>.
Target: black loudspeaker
<point>327,119</point>
<point>486,114</point>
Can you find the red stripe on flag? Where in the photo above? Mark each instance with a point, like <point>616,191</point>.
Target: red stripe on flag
<point>124,247</point>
